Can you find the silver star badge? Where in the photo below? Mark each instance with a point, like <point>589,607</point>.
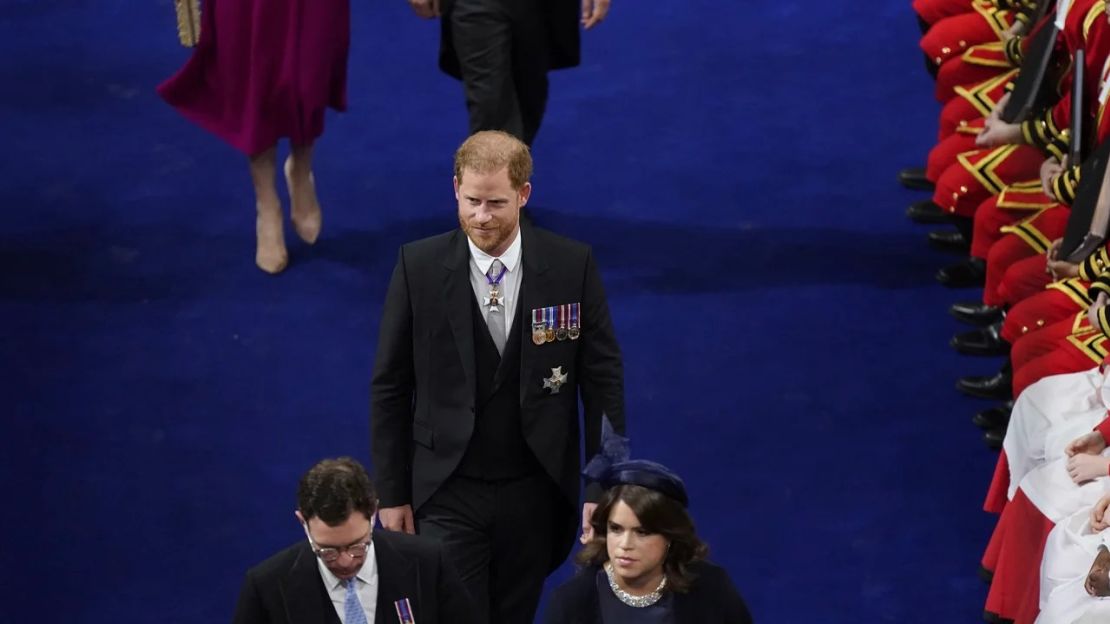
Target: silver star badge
<point>555,381</point>
<point>492,301</point>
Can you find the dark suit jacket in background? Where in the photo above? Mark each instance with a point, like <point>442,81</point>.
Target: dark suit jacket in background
<point>287,588</point>
<point>424,384</point>
<point>563,36</point>
<point>711,600</point>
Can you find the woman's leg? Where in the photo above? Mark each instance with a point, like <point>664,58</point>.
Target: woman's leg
<point>270,254</point>
<point>306,214</point>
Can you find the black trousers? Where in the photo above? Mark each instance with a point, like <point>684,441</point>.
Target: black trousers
<point>502,50</point>
<point>500,536</point>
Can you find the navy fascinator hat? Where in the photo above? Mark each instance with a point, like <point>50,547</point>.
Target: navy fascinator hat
<point>647,474</point>
<point>612,467</point>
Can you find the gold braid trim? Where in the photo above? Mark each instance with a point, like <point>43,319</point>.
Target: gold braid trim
<point>1095,266</point>
<point>1100,285</point>
<point>1075,291</point>
<point>1028,233</point>
<point>1096,12</point>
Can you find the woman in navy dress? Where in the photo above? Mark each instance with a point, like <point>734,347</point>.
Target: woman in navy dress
<point>644,563</point>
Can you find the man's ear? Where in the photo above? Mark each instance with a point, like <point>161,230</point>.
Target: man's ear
<point>525,193</point>
<point>455,181</point>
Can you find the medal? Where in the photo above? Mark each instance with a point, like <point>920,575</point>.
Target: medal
<point>494,299</point>
<point>549,318</point>
<point>555,381</point>
<point>573,332</point>
<point>561,331</point>
<point>539,333</point>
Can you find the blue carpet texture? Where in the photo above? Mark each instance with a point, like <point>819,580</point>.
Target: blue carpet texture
<point>731,162</point>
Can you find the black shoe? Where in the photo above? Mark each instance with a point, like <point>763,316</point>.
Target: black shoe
<point>994,437</point>
<point>966,274</point>
<point>914,178</point>
<point>975,313</point>
<point>994,417</point>
<point>985,341</point>
<point>997,386</point>
<point>947,240</point>
<point>926,212</point>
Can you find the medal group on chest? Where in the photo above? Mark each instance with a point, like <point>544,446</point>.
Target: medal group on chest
<point>556,323</point>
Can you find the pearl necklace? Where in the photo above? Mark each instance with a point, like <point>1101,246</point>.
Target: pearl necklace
<point>638,602</point>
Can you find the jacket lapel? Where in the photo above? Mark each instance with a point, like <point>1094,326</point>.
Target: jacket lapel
<point>533,287</point>
<point>305,597</point>
<point>458,293</point>
<point>397,579</point>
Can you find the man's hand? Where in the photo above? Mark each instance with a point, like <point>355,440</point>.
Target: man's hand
<point>1054,249</point>
<point>587,528</point>
<point>1057,268</point>
<point>1092,317</point>
<point>999,106</point>
<point>425,8</point>
<point>1050,168</point>
<point>1086,444</point>
<point>1083,468</point>
<point>1098,578</point>
<point>397,519</point>
<point>997,132</point>
<point>593,11</point>
<point>1099,521</point>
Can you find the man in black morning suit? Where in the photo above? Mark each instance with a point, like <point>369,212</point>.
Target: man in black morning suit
<point>501,50</point>
<point>474,420</point>
<point>343,571</point>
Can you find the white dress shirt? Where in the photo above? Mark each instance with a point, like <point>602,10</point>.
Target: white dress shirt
<point>480,262</point>
<point>367,590</point>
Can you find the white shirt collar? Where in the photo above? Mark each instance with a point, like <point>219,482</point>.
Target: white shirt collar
<point>366,573</point>
<point>511,257</point>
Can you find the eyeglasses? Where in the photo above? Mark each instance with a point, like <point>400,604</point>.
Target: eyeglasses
<point>331,554</point>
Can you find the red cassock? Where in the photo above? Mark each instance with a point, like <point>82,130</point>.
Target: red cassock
<point>976,64</point>
<point>264,70</point>
<point>949,37</point>
<point>1014,556</point>
<point>932,11</point>
<point>1016,548</point>
<point>978,175</point>
<point>1068,346</point>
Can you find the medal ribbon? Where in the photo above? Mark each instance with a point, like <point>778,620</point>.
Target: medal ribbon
<point>404,611</point>
<point>495,281</point>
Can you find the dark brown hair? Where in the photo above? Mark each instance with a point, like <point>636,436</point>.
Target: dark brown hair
<point>491,151</point>
<point>657,513</point>
<point>335,488</point>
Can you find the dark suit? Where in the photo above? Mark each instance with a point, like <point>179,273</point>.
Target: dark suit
<point>287,588</point>
<point>502,51</point>
<point>433,399</point>
<point>712,599</point>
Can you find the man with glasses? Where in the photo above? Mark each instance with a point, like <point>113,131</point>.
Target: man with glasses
<point>344,572</point>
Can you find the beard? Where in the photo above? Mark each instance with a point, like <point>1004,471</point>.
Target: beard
<point>492,236</point>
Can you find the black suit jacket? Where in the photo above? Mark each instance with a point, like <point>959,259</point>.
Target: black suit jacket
<point>563,40</point>
<point>287,587</point>
<point>423,389</point>
<point>712,599</point>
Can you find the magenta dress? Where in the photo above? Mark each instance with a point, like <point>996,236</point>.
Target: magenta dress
<point>265,69</point>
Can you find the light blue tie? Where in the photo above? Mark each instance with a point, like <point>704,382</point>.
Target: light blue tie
<point>352,608</point>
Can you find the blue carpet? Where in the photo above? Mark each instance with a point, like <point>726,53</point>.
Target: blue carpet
<point>733,165</point>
